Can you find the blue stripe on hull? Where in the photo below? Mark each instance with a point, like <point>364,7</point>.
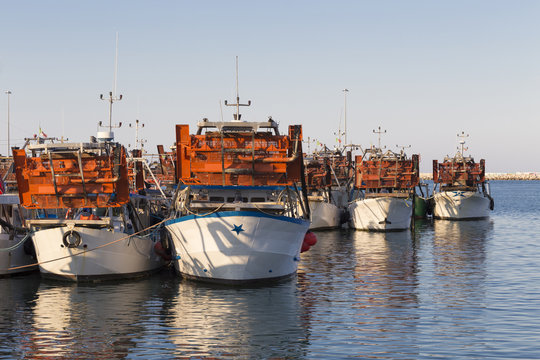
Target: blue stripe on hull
<point>223,214</point>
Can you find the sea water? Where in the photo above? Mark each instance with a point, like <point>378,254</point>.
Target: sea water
<point>450,290</point>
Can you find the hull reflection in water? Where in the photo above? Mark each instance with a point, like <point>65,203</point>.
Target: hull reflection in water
<point>247,323</point>
<point>459,249</point>
<point>389,261</point>
<point>85,321</point>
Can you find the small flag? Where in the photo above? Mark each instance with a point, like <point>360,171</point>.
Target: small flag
<point>41,133</point>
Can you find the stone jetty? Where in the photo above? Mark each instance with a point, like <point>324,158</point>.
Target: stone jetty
<point>498,176</point>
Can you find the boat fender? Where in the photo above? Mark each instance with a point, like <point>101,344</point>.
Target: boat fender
<point>159,250</point>
<point>491,203</point>
<point>71,239</point>
<point>344,217</point>
<point>309,240</point>
<point>430,206</point>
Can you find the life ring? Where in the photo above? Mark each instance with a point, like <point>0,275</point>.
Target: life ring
<point>71,239</point>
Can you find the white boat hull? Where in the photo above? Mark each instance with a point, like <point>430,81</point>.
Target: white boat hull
<point>236,246</point>
<point>324,215</point>
<point>460,205</point>
<point>381,214</point>
<point>129,257</point>
<point>15,258</point>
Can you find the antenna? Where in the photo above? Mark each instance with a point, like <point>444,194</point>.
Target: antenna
<point>339,132</point>
<point>221,110</point>
<point>138,125</point>
<point>379,131</point>
<point>345,91</point>
<point>112,97</point>
<point>115,65</point>
<point>463,136</point>
<point>237,115</point>
<point>62,139</point>
<point>403,147</point>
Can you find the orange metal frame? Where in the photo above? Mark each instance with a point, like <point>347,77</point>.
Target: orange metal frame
<point>239,158</point>
<point>379,174</point>
<point>319,174</point>
<point>56,182</point>
<point>466,173</point>
<point>166,173</point>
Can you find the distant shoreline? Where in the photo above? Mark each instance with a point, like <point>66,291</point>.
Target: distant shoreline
<point>497,176</point>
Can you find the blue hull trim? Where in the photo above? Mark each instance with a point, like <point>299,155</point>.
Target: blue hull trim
<point>224,214</point>
<point>232,187</point>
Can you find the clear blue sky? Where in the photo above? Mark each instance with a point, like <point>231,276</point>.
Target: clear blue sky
<point>422,70</point>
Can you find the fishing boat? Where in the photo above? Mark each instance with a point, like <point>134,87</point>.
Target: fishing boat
<point>236,212</point>
<point>421,201</point>
<point>461,191</point>
<point>328,180</point>
<point>84,224</point>
<point>16,250</point>
<point>386,184</point>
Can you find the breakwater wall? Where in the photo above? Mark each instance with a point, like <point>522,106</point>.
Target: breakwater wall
<point>498,176</point>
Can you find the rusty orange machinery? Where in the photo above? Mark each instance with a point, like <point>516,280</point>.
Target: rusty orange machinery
<point>387,173</point>
<point>72,179</point>
<point>459,172</point>
<point>5,167</point>
<point>239,158</point>
<point>166,173</point>
<point>318,174</point>
<point>322,171</point>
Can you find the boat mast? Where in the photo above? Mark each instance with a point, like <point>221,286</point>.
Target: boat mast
<point>379,131</point>
<point>462,142</point>
<point>237,115</point>
<point>139,142</point>
<point>345,91</point>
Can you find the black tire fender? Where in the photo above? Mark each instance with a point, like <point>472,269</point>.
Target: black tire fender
<point>71,239</point>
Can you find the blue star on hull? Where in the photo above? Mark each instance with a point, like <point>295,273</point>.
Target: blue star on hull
<point>459,194</point>
<point>238,229</point>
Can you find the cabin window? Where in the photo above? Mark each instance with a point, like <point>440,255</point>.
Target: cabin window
<point>258,199</point>
<point>216,198</point>
<point>100,212</point>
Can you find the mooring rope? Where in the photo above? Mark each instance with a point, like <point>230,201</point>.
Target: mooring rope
<point>269,214</point>
<point>18,244</point>
<point>86,251</point>
<point>203,215</point>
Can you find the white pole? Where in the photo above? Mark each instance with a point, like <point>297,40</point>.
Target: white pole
<point>8,92</point>
<point>345,130</point>
<point>237,94</point>
<point>115,65</point>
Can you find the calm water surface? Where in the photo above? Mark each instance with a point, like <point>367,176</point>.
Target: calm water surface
<point>452,290</point>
